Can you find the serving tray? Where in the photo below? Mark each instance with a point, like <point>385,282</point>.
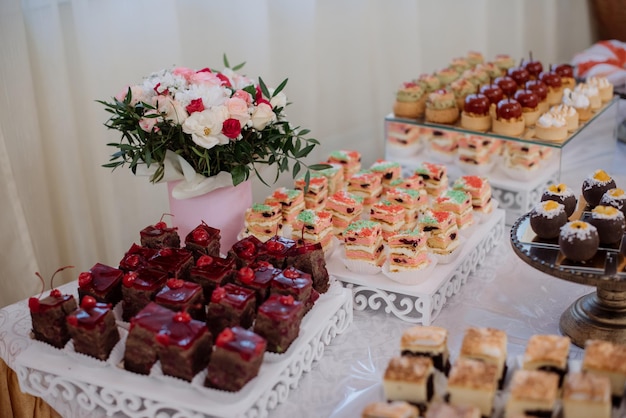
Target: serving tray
<point>421,303</point>
<point>105,388</point>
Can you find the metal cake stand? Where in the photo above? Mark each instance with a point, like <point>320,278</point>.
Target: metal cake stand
<point>598,315</point>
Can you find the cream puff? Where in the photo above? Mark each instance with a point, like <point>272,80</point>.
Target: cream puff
<point>475,58</point>
<point>447,76</point>
<point>410,101</point>
<point>504,62</point>
<point>441,107</point>
<point>429,82</point>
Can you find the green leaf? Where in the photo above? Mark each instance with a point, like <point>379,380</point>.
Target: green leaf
<point>226,64</point>
<point>280,87</point>
<point>318,167</point>
<point>264,89</point>
<point>296,169</point>
<point>304,132</point>
<point>238,66</point>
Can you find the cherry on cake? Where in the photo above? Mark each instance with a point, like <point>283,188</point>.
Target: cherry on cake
<point>102,282</point>
<point>488,345</point>
<point>408,251</point>
<point>278,321</point>
<point>532,392</point>
<point>530,105</point>
<point>314,227</point>
<point>473,382</point>
<point>317,191</point>
<point>175,261</point>
<point>541,90</point>
<point>211,272</point>
<point>295,283</point>
<point>159,236</point>
<point>276,250</point>
<point>231,305</point>
<point>263,220</point>
<point>555,87</point>
<point>604,358</point>
<point>179,295</point>
<point>310,259</point>
<point>236,359</point>
<point>428,341</point>
<point>345,208</point>
<point>257,277</point>
<point>566,72</point>
<point>586,395</point>
<point>367,185</point>
<point>203,240</point>
<point>136,256</point>
<point>48,317</point>
<point>139,288</point>
<point>93,329</point>
<point>409,379</point>
<point>548,353</point>
<point>245,251</point>
<point>509,118</point>
<point>390,215</point>
<point>507,85</point>
<point>350,160</point>
<point>363,241</point>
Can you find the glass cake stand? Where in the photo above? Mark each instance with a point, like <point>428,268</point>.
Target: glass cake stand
<point>598,315</point>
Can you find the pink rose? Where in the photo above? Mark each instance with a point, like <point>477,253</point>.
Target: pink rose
<point>149,124</point>
<point>136,92</point>
<point>225,80</point>
<point>196,105</point>
<point>243,95</point>
<point>262,116</point>
<point>238,109</point>
<point>204,77</point>
<point>184,72</point>
<point>231,128</point>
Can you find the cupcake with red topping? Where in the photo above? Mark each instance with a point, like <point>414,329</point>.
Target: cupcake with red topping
<point>509,118</point>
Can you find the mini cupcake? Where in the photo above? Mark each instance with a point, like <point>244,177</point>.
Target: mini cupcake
<point>569,114</point>
<point>410,101</point>
<point>429,83</point>
<point>562,194</point>
<point>509,118</point>
<point>541,90</point>
<point>604,86</point>
<point>504,62</point>
<point>551,127</point>
<point>547,218</point>
<point>609,222</point>
<point>615,197</point>
<point>460,65</point>
<point>595,185</point>
<point>447,76</point>
<point>441,107</point>
<point>578,101</point>
<point>492,69</point>
<point>461,89</point>
<point>476,76</point>
<point>579,241</point>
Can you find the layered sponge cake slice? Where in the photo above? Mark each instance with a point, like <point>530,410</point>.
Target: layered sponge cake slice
<point>408,251</point>
<point>391,217</point>
<point>442,231</point>
<point>345,207</point>
<point>314,226</point>
<point>290,200</point>
<point>263,220</point>
<point>364,242</point>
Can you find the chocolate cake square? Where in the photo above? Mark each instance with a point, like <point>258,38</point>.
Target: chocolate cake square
<point>231,305</point>
<point>203,240</point>
<point>275,250</point>
<point>310,259</point>
<point>175,261</point>
<point>139,288</point>
<point>93,328</point>
<point>294,282</point>
<point>102,282</point>
<point>159,236</point>
<point>245,251</point>
<point>179,295</point>
<point>211,272</point>
<point>182,344</point>
<point>136,256</point>
<point>257,277</point>
<point>236,359</point>
<point>48,317</point>
<point>278,321</point>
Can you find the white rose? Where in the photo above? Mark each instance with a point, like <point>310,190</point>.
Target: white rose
<point>205,127</point>
<point>262,116</point>
<point>280,100</point>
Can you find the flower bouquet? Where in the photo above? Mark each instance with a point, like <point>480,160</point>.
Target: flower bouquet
<point>205,127</point>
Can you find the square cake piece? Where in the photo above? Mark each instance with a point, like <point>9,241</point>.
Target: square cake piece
<point>179,295</point>
<point>532,392</point>
<point>429,341</point>
<point>586,395</point>
<point>390,215</point>
<point>608,359</point>
<point>175,261</point>
<point>136,256</point>
<point>345,208</point>
<point>397,409</point>
<point>317,193</point>
<point>311,227</point>
<point>139,289</point>
<point>264,220</point>
<point>441,230</point>
<point>258,277</point>
<point>364,242</point>
<point>291,202</point>
<point>473,382</point>
<point>488,345</point>
<point>276,250</point>
<point>211,272</point>
<point>159,236</point>
<point>310,259</point>
<point>459,203</point>
<point>435,177</point>
<point>278,321</point>
<point>443,410</point>
<point>203,240</point>
<point>350,160</point>
<point>410,379</point>
<point>93,328</point>
<point>294,282</point>
<point>408,251</point>
<point>548,353</point>
<point>366,185</point>
<point>245,251</point>
<point>236,359</point>
<point>102,282</point>
<point>48,317</point>
<point>230,306</point>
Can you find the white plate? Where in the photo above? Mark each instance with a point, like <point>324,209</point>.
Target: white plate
<point>412,277</point>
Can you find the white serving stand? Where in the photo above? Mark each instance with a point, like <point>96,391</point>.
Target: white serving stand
<point>106,389</point>
<point>421,303</point>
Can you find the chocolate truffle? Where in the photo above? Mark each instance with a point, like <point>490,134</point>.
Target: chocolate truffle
<point>579,240</point>
<point>595,186</point>
<point>616,198</point>
<point>609,222</point>
<point>547,218</point>
<point>562,194</point>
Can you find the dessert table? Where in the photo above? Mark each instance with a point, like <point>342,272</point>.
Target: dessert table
<point>504,293</point>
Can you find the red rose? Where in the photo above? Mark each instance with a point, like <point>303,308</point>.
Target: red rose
<point>196,105</point>
<point>225,80</point>
<point>267,102</point>
<point>231,128</point>
<point>259,93</point>
<point>204,70</point>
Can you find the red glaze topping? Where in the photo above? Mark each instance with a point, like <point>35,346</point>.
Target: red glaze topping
<point>291,273</point>
<point>42,305</point>
<point>90,313</point>
<point>160,321</point>
<point>156,230</point>
<point>493,92</point>
<point>233,295</point>
<point>171,259</point>
<point>509,109</point>
<point>533,67</point>
<point>277,246</point>
<point>477,104</point>
<point>247,248</point>
<point>305,248</point>
<point>527,98</point>
<point>146,278</point>
<point>281,308</point>
<point>202,235</point>
<point>178,291</point>
<point>292,280</point>
<point>218,268</point>
<point>519,74</point>
<point>507,84</point>
<point>538,87</point>
<point>564,70</point>
<point>248,344</point>
<point>204,261</point>
<point>245,275</point>
<point>182,317</point>
<point>550,79</point>
<point>136,257</point>
<point>100,278</point>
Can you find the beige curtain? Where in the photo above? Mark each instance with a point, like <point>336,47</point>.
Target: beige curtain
<point>344,60</point>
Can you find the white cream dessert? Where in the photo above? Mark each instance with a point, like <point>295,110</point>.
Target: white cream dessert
<point>568,113</point>
<point>548,353</point>
<point>429,341</point>
<point>488,345</point>
<point>592,93</point>
<point>409,379</point>
<point>608,359</point>
<point>397,409</point>
<point>473,382</point>
<point>578,101</point>
<point>604,86</point>
<point>551,127</point>
<point>586,395</point>
<point>532,392</point>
